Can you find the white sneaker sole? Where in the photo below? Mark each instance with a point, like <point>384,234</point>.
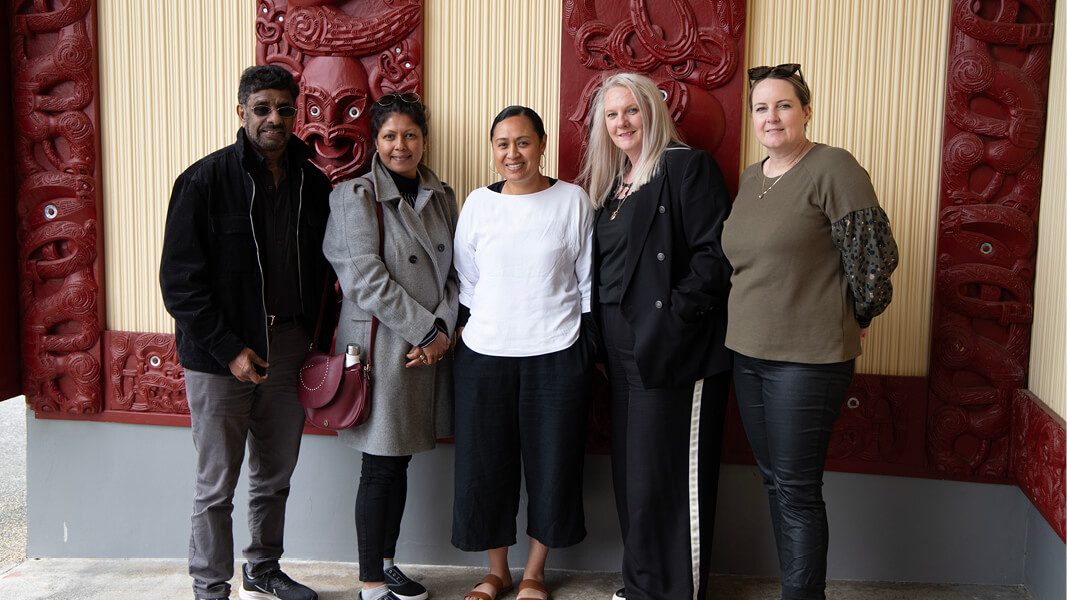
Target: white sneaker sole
<point>244,594</point>
<point>422,596</point>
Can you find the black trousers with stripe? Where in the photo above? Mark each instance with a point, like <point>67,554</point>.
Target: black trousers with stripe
<point>666,444</point>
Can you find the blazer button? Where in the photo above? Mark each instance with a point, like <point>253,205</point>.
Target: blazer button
<point>413,259</point>
<point>661,256</point>
<point>661,209</point>
<point>440,247</point>
<point>659,304</point>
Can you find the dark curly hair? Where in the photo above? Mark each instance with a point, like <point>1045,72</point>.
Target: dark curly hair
<point>269,77</point>
<point>380,114</point>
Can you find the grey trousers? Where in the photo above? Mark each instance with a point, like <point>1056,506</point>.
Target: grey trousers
<point>226,414</point>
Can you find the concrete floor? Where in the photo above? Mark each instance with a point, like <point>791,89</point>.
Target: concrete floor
<point>12,482</point>
<point>85,579</point>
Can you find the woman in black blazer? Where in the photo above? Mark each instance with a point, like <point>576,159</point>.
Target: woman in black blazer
<point>661,284</point>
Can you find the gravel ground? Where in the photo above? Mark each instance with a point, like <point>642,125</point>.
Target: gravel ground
<point>12,483</point>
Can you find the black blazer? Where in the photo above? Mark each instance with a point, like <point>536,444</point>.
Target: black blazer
<point>676,277</point>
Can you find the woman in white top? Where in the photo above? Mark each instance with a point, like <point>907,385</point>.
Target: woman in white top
<point>523,255</point>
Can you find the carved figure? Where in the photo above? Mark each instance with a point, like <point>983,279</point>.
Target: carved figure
<point>345,54</point>
<point>690,49</point>
<point>54,91</point>
<point>995,107</point>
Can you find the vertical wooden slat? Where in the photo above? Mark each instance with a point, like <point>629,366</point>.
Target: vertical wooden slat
<point>168,88</point>
<point>1048,342</point>
<point>877,76</point>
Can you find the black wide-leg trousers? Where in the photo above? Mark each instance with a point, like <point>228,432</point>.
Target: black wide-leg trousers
<point>788,410</point>
<point>514,415</point>
<point>665,450</point>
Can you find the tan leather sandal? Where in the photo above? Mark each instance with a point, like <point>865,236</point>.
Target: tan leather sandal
<point>535,585</point>
<point>495,582</point>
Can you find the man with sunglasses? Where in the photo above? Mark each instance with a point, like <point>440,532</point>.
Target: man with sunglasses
<point>243,275</point>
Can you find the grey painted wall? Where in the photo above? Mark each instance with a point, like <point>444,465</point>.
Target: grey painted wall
<point>113,490</point>
<point>1046,559</point>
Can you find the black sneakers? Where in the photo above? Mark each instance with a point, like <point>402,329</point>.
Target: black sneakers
<point>402,587</point>
<point>273,585</point>
<point>620,594</point>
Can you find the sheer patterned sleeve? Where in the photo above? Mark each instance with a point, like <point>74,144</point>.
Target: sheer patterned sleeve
<point>869,256</point>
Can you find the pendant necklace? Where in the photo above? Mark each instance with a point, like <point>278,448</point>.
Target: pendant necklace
<point>621,195</point>
<point>767,188</point>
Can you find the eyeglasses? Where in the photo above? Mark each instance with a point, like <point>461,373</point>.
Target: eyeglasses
<point>782,71</point>
<point>286,112</point>
<point>406,97</point>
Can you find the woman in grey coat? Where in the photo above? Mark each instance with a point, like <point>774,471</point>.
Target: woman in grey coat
<point>411,289</point>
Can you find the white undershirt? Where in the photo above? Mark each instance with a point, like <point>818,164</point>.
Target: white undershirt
<point>525,269</point>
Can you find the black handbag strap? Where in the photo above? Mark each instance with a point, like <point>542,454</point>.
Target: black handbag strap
<point>326,291</point>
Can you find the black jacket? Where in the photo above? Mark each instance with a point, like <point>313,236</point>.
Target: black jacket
<point>676,277</point>
<point>210,272</point>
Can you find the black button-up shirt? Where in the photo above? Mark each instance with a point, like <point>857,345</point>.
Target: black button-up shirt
<point>274,214</point>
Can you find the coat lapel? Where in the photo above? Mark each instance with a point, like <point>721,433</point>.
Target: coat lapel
<point>648,199</point>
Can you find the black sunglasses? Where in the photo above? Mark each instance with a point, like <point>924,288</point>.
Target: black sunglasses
<point>286,112</point>
<point>783,71</point>
<point>405,97</point>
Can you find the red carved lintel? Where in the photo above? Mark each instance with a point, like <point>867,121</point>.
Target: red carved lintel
<point>997,88</point>
<point>54,58</point>
<point>1037,457</point>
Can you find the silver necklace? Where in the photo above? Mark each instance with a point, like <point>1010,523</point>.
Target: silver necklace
<point>767,188</point>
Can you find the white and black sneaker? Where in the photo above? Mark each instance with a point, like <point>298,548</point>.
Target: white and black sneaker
<point>273,585</point>
<point>620,594</point>
<point>402,587</point>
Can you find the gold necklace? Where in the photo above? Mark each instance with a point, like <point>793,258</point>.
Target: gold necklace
<point>624,189</point>
<point>767,188</point>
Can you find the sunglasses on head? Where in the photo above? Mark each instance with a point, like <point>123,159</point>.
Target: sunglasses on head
<point>405,97</point>
<point>783,71</point>
<point>286,112</point>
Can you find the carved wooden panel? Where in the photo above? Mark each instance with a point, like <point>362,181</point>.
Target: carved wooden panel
<point>345,54</point>
<point>55,80</point>
<point>10,369</point>
<point>991,183</point>
<point>143,374</point>
<point>692,49</point>
<point>1038,453</point>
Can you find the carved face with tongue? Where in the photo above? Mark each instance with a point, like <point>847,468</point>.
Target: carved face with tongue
<point>333,117</point>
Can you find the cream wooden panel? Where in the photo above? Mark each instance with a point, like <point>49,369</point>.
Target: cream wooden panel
<point>168,92</point>
<point>877,72</point>
<point>482,55</point>
<point>1048,346</point>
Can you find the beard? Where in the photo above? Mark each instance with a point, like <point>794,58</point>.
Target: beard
<point>264,141</point>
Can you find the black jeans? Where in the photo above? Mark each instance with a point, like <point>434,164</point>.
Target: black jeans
<point>788,410</point>
<point>383,491</point>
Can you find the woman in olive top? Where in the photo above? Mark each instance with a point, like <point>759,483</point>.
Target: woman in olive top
<point>812,253</point>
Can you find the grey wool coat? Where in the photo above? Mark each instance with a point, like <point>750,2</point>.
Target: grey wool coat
<point>408,287</point>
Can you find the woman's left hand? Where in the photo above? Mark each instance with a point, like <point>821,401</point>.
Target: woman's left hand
<point>416,357</point>
<point>430,354</point>
<point>863,334</point>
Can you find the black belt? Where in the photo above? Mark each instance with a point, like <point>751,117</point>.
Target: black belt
<point>276,320</point>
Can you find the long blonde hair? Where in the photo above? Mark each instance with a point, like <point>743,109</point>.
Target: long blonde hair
<point>604,162</point>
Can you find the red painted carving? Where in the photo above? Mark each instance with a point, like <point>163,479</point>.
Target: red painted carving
<point>345,54</point>
<point>54,60</point>
<point>991,181</point>
<point>143,374</point>
<point>692,50</point>
<point>1038,458</point>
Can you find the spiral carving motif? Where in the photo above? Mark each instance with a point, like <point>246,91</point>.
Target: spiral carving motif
<point>54,61</point>
<point>983,307</point>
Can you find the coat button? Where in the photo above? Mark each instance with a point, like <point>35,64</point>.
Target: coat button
<point>440,247</point>
<point>413,259</point>
<point>661,209</point>
<point>659,304</point>
<point>661,256</point>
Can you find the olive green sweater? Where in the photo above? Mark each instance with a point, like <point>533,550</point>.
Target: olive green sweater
<point>790,298</point>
